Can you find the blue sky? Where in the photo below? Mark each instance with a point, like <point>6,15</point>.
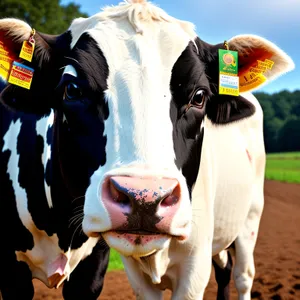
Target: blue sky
<point>217,20</point>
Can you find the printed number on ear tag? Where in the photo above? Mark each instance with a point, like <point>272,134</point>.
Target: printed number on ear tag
<point>254,76</point>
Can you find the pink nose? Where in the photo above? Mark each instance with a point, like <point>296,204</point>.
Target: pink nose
<point>141,203</point>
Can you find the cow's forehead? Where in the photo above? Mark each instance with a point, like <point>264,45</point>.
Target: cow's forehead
<point>139,36</point>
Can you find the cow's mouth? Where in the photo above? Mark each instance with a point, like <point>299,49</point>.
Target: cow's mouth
<point>144,234</point>
<point>138,237</point>
<point>137,243</point>
<point>140,232</point>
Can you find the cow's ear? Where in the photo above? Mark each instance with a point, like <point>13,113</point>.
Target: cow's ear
<point>259,62</point>
<point>46,62</point>
<point>257,55</point>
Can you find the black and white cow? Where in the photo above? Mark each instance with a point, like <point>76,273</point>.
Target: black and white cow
<point>44,173</point>
<point>131,92</point>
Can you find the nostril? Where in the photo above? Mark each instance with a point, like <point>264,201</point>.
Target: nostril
<point>118,196</point>
<point>124,200</point>
<point>170,200</point>
<point>132,192</point>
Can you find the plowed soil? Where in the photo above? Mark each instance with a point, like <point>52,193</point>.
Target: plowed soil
<point>277,254</point>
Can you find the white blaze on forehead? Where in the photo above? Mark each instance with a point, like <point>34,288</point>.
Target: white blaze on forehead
<point>139,127</point>
<point>137,15</point>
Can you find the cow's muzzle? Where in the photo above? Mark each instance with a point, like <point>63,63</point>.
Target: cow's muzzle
<point>141,210</point>
<point>144,213</point>
<point>141,205</point>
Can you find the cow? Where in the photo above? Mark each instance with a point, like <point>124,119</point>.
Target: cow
<point>170,169</point>
<point>42,186</point>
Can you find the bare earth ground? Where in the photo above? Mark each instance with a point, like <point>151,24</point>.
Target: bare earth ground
<point>277,255</point>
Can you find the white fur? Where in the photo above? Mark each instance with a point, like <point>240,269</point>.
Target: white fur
<point>70,70</point>
<point>221,259</point>
<point>18,30</point>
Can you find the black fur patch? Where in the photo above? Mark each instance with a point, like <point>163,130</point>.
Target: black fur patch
<point>193,71</point>
<point>223,277</point>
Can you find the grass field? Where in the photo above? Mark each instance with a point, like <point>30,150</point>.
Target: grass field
<point>280,166</point>
<point>115,262</point>
<point>283,167</point>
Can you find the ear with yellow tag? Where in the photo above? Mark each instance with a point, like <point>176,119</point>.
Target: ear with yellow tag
<point>25,86</point>
<point>260,61</point>
<point>11,56</point>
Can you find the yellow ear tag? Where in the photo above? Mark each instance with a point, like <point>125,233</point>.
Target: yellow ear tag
<point>28,48</point>
<point>21,75</point>
<point>254,77</point>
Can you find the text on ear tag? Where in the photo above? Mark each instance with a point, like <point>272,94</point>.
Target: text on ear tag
<point>28,48</point>
<point>254,77</point>
<point>228,72</point>
<point>21,75</point>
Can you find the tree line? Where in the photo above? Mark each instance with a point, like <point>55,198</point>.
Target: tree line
<point>281,120</point>
<point>47,16</point>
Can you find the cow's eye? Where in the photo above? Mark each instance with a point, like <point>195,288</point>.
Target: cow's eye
<point>198,98</point>
<point>73,91</point>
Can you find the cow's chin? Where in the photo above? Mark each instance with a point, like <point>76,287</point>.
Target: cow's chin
<point>136,245</point>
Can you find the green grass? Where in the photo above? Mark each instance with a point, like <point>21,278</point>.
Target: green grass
<point>115,262</point>
<point>285,155</point>
<point>283,167</point>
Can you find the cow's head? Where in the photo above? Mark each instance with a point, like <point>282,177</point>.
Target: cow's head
<point>131,87</point>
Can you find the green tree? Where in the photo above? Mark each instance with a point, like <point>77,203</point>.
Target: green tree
<point>281,120</point>
<point>282,105</point>
<point>269,112</point>
<point>289,135</point>
<point>47,16</point>
<point>271,130</point>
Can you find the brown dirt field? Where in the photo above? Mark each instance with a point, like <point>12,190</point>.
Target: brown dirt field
<point>277,254</point>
